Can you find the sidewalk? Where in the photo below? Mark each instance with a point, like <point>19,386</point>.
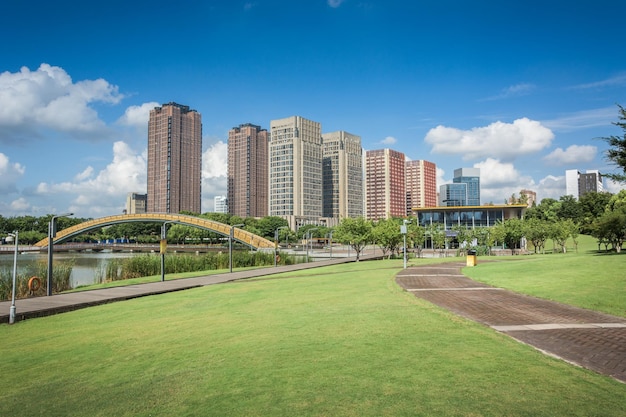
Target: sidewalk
<point>59,303</point>
<point>582,337</point>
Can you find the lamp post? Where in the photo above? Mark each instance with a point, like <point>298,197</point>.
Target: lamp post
<point>330,243</point>
<point>230,246</point>
<point>276,243</point>
<point>12,309</point>
<point>308,232</point>
<point>403,230</point>
<point>163,247</point>
<point>52,232</point>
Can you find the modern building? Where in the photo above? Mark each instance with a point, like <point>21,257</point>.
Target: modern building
<point>220,204</point>
<point>453,195</point>
<point>295,171</point>
<point>174,159</point>
<point>578,184</point>
<point>136,203</point>
<point>385,187</point>
<point>342,171</point>
<point>471,177</point>
<point>248,171</point>
<point>468,217</point>
<point>421,184</point>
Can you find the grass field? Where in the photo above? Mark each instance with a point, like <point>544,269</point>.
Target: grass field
<point>333,341</point>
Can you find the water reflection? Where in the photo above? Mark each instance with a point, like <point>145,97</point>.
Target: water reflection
<point>86,264</point>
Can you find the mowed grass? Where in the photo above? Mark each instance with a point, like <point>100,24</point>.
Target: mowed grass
<point>587,278</point>
<point>333,341</point>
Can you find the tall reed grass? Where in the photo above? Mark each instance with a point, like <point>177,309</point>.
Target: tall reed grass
<point>150,264</point>
<point>61,273</point>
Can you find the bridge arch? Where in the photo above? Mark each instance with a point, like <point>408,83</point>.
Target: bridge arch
<point>240,235</point>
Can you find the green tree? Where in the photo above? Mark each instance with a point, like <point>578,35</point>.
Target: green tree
<point>536,232</point>
<point>592,206</point>
<point>569,209</point>
<point>616,154</point>
<point>356,232</point>
<point>386,234</point>
<point>610,228</point>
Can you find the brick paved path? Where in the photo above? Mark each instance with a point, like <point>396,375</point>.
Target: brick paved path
<point>586,338</point>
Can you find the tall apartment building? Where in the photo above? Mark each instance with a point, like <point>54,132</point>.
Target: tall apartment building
<point>471,177</point>
<point>578,184</point>
<point>342,171</point>
<point>421,185</point>
<point>174,159</point>
<point>248,171</point>
<point>220,204</point>
<point>136,203</point>
<point>295,170</point>
<point>385,192</point>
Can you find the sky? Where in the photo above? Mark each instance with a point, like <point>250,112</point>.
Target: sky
<point>520,89</point>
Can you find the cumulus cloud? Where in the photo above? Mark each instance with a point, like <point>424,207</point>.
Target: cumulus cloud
<point>105,191</point>
<point>47,98</point>
<point>613,186</point>
<point>574,154</point>
<point>138,116</point>
<point>498,140</point>
<point>214,173</point>
<point>10,173</point>
<point>389,140</point>
<point>499,180</point>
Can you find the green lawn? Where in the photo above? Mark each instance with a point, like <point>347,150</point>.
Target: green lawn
<point>333,341</point>
<point>588,279</point>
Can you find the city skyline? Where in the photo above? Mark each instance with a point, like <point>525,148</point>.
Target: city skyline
<point>518,91</point>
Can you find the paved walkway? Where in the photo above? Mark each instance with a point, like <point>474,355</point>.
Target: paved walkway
<point>59,303</point>
<point>586,338</point>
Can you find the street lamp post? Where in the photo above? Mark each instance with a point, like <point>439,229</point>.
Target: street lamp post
<point>330,243</point>
<point>276,243</point>
<point>52,232</point>
<point>310,235</point>
<point>12,309</point>
<point>403,230</point>
<point>163,247</point>
<point>230,246</point>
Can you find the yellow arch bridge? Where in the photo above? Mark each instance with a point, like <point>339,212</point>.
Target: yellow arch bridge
<point>240,235</point>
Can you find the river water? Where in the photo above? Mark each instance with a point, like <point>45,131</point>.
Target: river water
<point>86,264</point>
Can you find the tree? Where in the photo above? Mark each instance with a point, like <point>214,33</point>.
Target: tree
<point>536,231</point>
<point>569,209</point>
<point>592,205</point>
<point>355,232</point>
<point>386,234</point>
<point>616,154</point>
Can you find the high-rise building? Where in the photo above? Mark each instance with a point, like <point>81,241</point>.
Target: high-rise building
<point>247,171</point>
<point>578,184</point>
<point>295,170</point>
<point>471,177</point>
<point>220,204</point>
<point>385,192</point>
<point>136,203</point>
<point>342,171</point>
<point>453,195</point>
<point>421,185</point>
<point>174,159</point>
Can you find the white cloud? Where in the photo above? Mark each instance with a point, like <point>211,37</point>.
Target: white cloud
<point>516,90</point>
<point>20,205</point>
<point>105,192</point>
<point>496,173</point>
<point>48,99</point>
<point>550,187</point>
<point>440,178</point>
<point>335,3</point>
<point>583,119</point>
<point>214,173</point>
<point>138,116</point>
<point>389,140</point>
<point>617,80</point>
<point>613,186</point>
<point>10,173</point>
<point>498,140</point>
<point>574,154</point>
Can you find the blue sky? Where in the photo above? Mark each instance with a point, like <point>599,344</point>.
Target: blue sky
<point>519,89</point>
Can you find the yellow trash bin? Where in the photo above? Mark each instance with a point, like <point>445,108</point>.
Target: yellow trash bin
<point>471,258</point>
